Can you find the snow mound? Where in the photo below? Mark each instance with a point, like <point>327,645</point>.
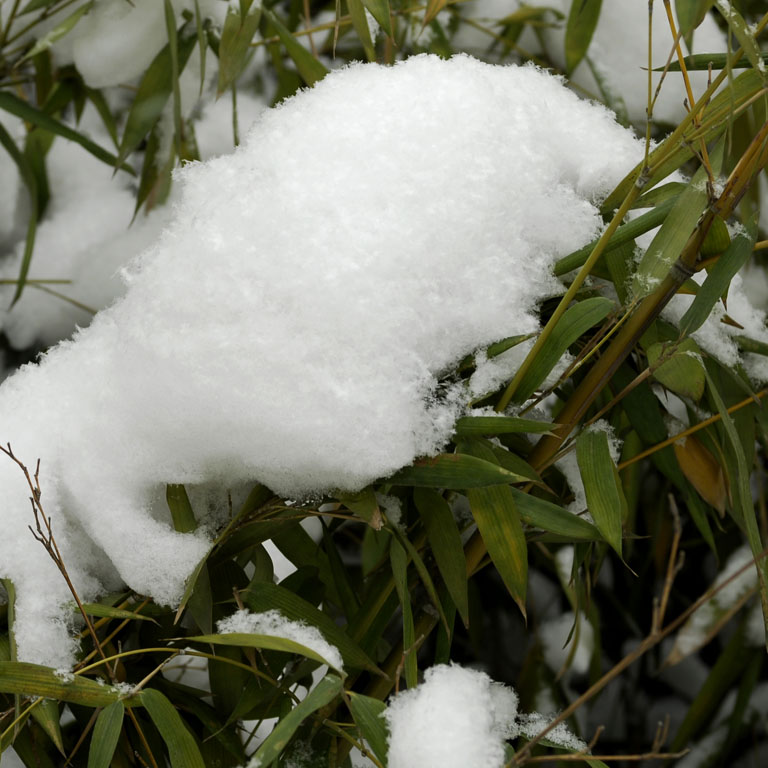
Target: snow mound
<point>290,324</point>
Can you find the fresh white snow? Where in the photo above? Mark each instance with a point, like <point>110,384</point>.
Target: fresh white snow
<point>290,324</point>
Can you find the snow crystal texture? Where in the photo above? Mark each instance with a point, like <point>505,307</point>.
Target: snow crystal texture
<point>290,324</point>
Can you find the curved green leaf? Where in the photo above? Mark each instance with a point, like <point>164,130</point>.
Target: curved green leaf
<point>553,519</point>
<point>236,36</point>
<point>106,733</point>
<point>310,69</point>
<point>470,426</point>
<point>182,747</point>
<point>454,471</point>
<point>367,713</point>
<point>582,21</point>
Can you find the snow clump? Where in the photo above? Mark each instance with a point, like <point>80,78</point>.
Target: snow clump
<point>274,624</point>
<point>460,718</point>
<point>291,323</point>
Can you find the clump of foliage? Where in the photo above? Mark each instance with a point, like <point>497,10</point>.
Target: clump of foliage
<point>438,563</point>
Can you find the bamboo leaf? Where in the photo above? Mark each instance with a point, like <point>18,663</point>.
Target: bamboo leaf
<point>30,181</point>
<point>605,496</point>
<point>182,747</point>
<point>364,505</point>
<point>742,32</point>
<point>323,693</point>
<point>310,69</point>
<point>703,61</point>
<point>553,519</point>
<point>498,521</point>
<point>236,36</point>
<point>270,642</point>
<point>35,680</point>
<point>152,95</point>
<point>719,278</point>
<point>445,540</point>
<point>690,13</point>
<point>173,51</point>
<point>682,372</point>
<point>576,320</point>
<point>579,29</point>
<point>454,471</point>
<point>107,611</point>
<point>399,562</point>
<point>475,426</point>
<point>433,8</point>
<point>261,596</point>
<point>60,30</point>
<point>360,23</point>
<point>367,713</point>
<point>106,733</point>
<point>25,111</point>
<point>703,472</point>
<point>47,715</point>
<point>181,510</point>
<point>380,11</point>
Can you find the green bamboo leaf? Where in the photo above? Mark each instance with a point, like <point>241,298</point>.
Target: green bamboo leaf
<point>380,11</point>
<point>512,462</point>
<point>690,13</point>
<point>741,493</point>
<point>474,426</point>
<point>262,596</point>
<point>323,693</point>
<point>433,8</point>
<point>364,505</point>
<point>236,36</point>
<point>367,713</point>
<point>579,29</point>
<point>173,51</point>
<point>310,69</point>
<point>35,680</point>
<point>47,716</point>
<point>30,181</point>
<point>183,750</point>
<point>399,562</point>
<point>270,642</point>
<point>34,5</point>
<point>719,277</point>
<point>454,471</point>
<point>60,30</point>
<point>202,44</point>
<point>181,510</point>
<point>683,371</point>
<point>576,320</point>
<point>360,23</point>
<point>605,496</point>
<point>445,540</point>
<point>676,229</point>
<point>703,61</point>
<point>549,517</point>
<point>107,611</point>
<point>25,111</point>
<point>152,95</point>
<point>498,521</point>
<point>106,733</point>
<point>742,32</point>
<point>626,233</point>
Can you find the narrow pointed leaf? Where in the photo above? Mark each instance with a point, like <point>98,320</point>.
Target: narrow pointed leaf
<point>270,642</point>
<point>682,371</point>
<point>28,176</point>
<point>107,611</point>
<point>605,496</point>
<point>310,69</point>
<point>445,540</point>
<point>433,8</point>
<point>60,30</point>
<point>719,278</point>
<point>261,596</point>
<point>553,519</point>
<point>498,521</point>
<point>236,37</point>
<point>35,680</point>
<point>173,50</point>
<point>364,505</point>
<point>367,713</point>
<point>742,32</point>
<point>703,61</point>
<point>582,21</point>
<point>360,23</point>
<point>48,717</point>
<point>703,472</point>
<point>152,95</point>
<point>454,471</point>
<point>470,426</point>
<point>323,693</point>
<point>181,510</point>
<point>25,111</point>
<point>576,320</point>
<point>182,747</point>
<point>106,733</point>
<point>380,11</point>
<point>399,562</point>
